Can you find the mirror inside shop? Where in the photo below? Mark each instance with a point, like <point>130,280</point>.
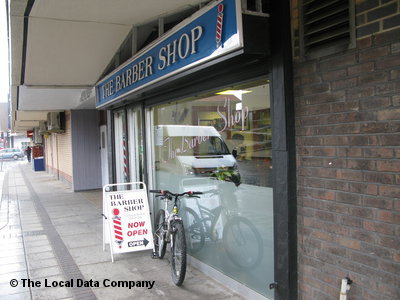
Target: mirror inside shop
<point>220,144</point>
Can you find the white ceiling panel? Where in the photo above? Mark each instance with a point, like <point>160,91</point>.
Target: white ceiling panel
<point>17,7</point>
<point>33,98</point>
<point>69,53</point>
<point>16,28</point>
<point>26,125</point>
<point>127,12</point>
<point>32,115</point>
<point>71,42</point>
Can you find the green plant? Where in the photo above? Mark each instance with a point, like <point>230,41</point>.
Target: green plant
<point>227,174</point>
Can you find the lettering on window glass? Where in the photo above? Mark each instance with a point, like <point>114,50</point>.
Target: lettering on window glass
<point>232,118</point>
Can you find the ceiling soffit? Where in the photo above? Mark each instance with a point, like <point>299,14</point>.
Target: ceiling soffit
<point>68,45</point>
<point>69,53</point>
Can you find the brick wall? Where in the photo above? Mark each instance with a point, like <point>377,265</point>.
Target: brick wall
<point>348,159</point>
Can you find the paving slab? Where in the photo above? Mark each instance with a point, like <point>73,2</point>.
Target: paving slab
<point>43,263</point>
<point>37,242</point>
<point>73,229</point>
<point>39,256</point>
<point>17,296</point>
<point>81,240</point>
<point>11,252</point>
<point>12,259</point>
<point>45,272</point>
<point>89,255</point>
<point>6,289</point>
<point>6,277</point>
<point>48,291</point>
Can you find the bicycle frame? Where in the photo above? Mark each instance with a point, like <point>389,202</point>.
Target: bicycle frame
<point>170,229</point>
<point>170,217</point>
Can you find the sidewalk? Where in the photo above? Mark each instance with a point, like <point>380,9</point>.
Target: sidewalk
<point>51,248</point>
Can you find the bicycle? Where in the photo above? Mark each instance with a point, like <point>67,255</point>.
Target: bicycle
<point>241,240</point>
<point>169,229</point>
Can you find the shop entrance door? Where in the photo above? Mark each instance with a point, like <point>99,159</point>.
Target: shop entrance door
<point>104,155</point>
<point>135,143</point>
<point>120,150</point>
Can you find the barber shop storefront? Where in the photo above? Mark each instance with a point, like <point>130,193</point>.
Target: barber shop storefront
<point>192,111</point>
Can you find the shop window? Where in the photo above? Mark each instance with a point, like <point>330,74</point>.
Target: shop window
<point>221,145</point>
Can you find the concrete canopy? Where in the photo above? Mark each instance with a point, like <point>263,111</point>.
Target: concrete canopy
<point>59,48</point>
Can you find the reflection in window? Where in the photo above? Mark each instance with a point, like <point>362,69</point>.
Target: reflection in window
<point>221,145</point>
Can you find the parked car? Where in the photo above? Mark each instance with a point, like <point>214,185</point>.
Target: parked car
<point>14,153</point>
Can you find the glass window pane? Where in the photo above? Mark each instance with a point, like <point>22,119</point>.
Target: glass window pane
<point>221,145</point>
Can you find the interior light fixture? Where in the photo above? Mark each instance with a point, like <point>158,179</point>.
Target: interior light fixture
<point>237,93</point>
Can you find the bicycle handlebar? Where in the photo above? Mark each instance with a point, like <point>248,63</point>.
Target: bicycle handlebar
<point>166,193</point>
<point>197,193</point>
<point>156,191</point>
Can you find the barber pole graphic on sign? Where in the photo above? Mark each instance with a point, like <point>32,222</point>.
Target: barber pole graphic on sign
<point>117,227</point>
<point>127,222</point>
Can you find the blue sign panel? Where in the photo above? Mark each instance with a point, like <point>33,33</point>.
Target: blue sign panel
<point>210,33</point>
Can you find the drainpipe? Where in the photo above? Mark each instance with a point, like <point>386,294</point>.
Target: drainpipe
<point>346,282</point>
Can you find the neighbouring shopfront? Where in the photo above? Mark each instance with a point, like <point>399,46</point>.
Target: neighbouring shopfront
<point>193,112</point>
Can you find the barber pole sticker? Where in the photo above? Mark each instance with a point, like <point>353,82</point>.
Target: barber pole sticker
<point>220,19</point>
<point>125,160</point>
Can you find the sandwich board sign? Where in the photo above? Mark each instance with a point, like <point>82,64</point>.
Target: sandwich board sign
<point>126,224</point>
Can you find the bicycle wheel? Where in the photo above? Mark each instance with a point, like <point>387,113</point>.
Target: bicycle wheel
<point>194,230</point>
<point>159,234</point>
<point>178,254</point>
<point>242,242</point>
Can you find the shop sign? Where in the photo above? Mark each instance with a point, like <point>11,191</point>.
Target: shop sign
<point>127,220</point>
<point>211,33</point>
